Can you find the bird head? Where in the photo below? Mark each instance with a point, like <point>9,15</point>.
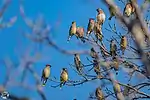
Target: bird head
<point>112,41</point>
<point>123,37</point>
<point>92,49</point>
<point>48,65</point>
<point>76,54</point>
<point>98,9</point>
<point>64,69</point>
<point>73,22</point>
<point>91,20</point>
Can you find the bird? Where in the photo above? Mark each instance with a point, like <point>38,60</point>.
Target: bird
<point>128,10</point>
<point>98,32</point>
<point>77,62</point>
<point>63,77</point>
<point>100,16</point>
<point>80,33</point>
<point>45,74</point>
<point>112,11</point>
<point>123,44</point>
<point>72,30</point>
<point>96,66</point>
<point>116,64</point>
<point>99,94</point>
<point>117,90</point>
<point>90,27</point>
<point>113,48</point>
<point>93,53</point>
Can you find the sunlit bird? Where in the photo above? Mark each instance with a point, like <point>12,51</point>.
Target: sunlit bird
<point>90,27</point>
<point>99,94</point>
<point>123,44</point>
<point>45,74</point>
<point>100,16</point>
<point>112,11</point>
<point>113,48</point>
<point>80,33</point>
<point>96,66</point>
<point>77,62</point>
<point>117,90</point>
<point>128,10</point>
<point>63,77</point>
<point>98,32</point>
<point>72,30</point>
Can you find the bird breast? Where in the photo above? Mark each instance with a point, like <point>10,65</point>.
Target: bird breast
<point>47,72</point>
<point>74,29</point>
<point>101,17</point>
<point>64,76</point>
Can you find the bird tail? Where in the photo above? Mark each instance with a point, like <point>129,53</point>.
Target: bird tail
<point>69,37</point>
<point>44,82</point>
<point>62,84</point>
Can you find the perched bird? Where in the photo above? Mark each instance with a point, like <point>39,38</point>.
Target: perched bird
<point>96,66</point>
<point>99,94</point>
<point>72,30</point>
<point>93,53</point>
<point>63,77</point>
<point>123,44</point>
<point>128,10</point>
<point>100,16</point>
<point>45,74</point>
<point>117,91</point>
<point>90,27</point>
<point>80,33</point>
<point>98,32</point>
<point>112,11</point>
<point>77,62</point>
<point>113,48</point>
<point>116,64</point>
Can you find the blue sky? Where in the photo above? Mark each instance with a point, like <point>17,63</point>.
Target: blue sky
<point>14,44</point>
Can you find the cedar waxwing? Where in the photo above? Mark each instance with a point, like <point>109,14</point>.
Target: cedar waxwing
<point>72,30</point>
<point>112,11</point>
<point>100,16</point>
<point>45,74</point>
<point>63,77</point>
<point>117,89</point>
<point>77,62</point>
<point>123,44</point>
<point>128,10</point>
<point>90,27</point>
<point>99,94</point>
<point>98,32</point>
<point>93,53</point>
<point>96,66</point>
<point>116,64</point>
<point>113,48</point>
<point>80,33</point>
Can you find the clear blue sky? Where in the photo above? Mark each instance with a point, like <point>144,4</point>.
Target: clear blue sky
<point>13,44</point>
